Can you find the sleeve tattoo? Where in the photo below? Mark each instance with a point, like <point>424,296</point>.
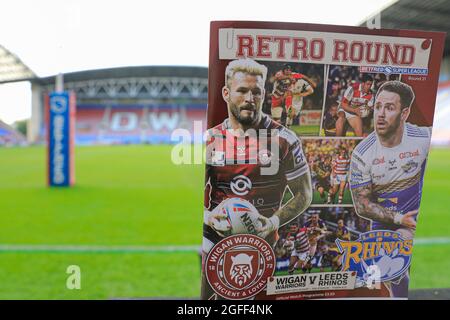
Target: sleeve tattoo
<point>368,209</point>
<point>302,196</point>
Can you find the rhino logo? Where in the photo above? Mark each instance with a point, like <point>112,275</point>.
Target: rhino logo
<point>389,264</point>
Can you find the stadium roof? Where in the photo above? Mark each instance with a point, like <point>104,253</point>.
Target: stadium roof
<point>127,72</point>
<point>418,15</point>
<point>12,69</point>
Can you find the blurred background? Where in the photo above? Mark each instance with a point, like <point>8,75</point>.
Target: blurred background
<point>133,220</point>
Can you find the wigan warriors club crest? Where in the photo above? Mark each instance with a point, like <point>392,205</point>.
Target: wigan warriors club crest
<point>238,266</point>
<point>241,265</point>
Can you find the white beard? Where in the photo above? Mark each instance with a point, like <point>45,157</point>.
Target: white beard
<point>240,275</point>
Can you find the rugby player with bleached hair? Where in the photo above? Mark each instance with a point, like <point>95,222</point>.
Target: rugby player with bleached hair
<point>241,177</point>
<point>235,169</point>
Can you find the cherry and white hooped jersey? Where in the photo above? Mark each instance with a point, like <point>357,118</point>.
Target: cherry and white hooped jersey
<point>301,243</point>
<point>282,84</point>
<point>234,169</point>
<point>395,174</point>
<point>341,165</point>
<point>357,98</point>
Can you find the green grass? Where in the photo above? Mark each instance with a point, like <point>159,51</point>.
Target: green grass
<point>306,130</point>
<point>134,195</point>
<point>124,195</point>
<point>430,266</point>
<point>103,276</point>
<point>347,199</point>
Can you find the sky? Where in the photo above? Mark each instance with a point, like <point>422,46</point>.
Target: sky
<point>52,36</point>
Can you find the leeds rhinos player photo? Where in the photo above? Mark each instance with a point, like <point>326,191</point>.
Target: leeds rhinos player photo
<point>241,177</point>
<point>387,167</point>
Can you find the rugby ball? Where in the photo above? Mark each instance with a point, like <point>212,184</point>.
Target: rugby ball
<point>241,215</point>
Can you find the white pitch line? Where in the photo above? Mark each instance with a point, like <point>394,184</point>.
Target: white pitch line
<point>432,241</point>
<point>50,248</point>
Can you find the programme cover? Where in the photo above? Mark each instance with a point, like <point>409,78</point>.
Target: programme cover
<point>317,143</point>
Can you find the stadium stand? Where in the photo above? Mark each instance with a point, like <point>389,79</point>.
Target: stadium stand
<point>441,130</point>
<point>118,124</point>
<point>129,105</point>
<point>431,16</point>
<point>9,136</point>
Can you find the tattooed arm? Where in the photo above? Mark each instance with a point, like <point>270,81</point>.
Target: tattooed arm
<point>298,179</point>
<point>361,187</point>
<point>368,209</point>
<point>373,211</point>
<point>302,190</point>
<point>302,196</point>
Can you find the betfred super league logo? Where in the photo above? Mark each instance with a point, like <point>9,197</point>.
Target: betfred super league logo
<point>238,266</point>
<point>383,250</point>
